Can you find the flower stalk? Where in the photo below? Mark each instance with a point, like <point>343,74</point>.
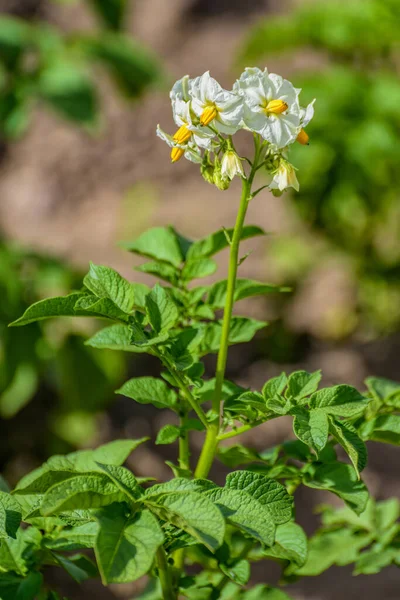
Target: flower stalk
<point>211,442</point>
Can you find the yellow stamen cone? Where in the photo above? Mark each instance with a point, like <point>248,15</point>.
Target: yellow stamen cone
<point>276,107</point>
<point>182,135</point>
<point>303,138</point>
<point>176,154</point>
<point>208,115</point>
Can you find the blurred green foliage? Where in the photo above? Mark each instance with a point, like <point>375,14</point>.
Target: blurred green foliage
<point>350,185</point>
<point>80,378</point>
<point>39,64</point>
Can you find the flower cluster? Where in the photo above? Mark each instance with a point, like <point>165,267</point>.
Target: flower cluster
<point>207,116</point>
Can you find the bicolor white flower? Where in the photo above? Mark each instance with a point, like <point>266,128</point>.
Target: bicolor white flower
<point>284,177</point>
<point>272,106</point>
<point>231,165</point>
<point>215,106</point>
<point>306,114</point>
<point>187,149</point>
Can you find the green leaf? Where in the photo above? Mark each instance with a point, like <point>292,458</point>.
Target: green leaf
<point>381,388</point>
<point>124,480</point>
<point>340,547</point>
<point>111,12</point>
<point>214,243</point>
<point>67,88</point>
<point>250,405</point>
<point>144,339</point>
<point>340,400</point>
<point>245,288</point>
<point>81,536</point>
<point>116,337</point>
<point>10,515</point>
<point>16,588</point>
<point>15,552</point>
<point>168,434</point>
<point>275,386</point>
<point>242,330</point>
<point>290,544</point>
<point>79,567</point>
<point>312,428</point>
<point>193,512</point>
<point>269,493</point>
<point>340,479</point>
<point>182,346</point>
<point>279,405</point>
<point>234,456</point>
<point>14,38</point>
<point>100,307</point>
<point>104,282</point>
<point>149,390</point>
<point>160,243</point>
<point>126,545</point>
<point>161,309</point>
<point>302,384</point>
<point>239,572</point>
<point>62,306</point>
<point>373,561</point>
<point>252,515</point>
<point>347,436</point>
<point>198,268</point>
<point>161,270</point>
<point>207,391</point>
<point>84,491</point>
<point>59,468</point>
<point>180,484</point>
<point>384,428</point>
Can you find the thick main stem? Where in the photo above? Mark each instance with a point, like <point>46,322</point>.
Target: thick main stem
<point>211,442</point>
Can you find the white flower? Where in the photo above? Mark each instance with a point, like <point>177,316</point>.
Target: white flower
<point>202,136</point>
<point>271,106</point>
<point>214,105</point>
<point>306,114</point>
<point>284,177</point>
<point>187,149</point>
<point>231,165</point>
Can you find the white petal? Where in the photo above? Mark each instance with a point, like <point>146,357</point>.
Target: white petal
<point>181,112</point>
<point>192,153</point>
<point>307,114</point>
<point>180,89</point>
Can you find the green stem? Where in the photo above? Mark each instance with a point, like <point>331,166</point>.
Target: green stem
<point>211,442</point>
<point>187,394</point>
<point>239,430</point>
<point>180,383</point>
<point>184,450</point>
<point>164,574</point>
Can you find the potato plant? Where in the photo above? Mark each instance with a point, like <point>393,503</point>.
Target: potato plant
<point>88,514</point>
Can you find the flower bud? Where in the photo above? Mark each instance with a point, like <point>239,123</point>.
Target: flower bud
<point>231,165</point>
<point>284,178</point>
<point>221,181</point>
<point>207,171</point>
